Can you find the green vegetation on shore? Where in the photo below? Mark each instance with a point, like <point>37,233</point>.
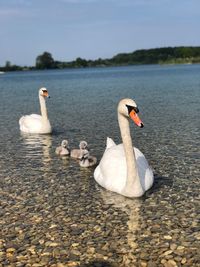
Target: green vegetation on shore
<point>165,55</point>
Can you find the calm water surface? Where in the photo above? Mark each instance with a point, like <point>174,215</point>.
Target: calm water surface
<point>53,212</point>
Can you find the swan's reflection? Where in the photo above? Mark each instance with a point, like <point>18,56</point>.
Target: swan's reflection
<point>131,207</point>
<point>38,147</point>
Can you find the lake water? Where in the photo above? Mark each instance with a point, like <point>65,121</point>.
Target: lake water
<point>52,211</point>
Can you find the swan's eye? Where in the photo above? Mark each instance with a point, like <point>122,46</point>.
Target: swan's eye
<point>136,109</point>
<point>130,108</point>
<point>44,91</point>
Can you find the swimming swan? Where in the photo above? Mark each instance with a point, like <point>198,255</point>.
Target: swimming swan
<point>87,160</point>
<point>76,153</point>
<point>122,169</point>
<point>63,149</point>
<point>35,123</point>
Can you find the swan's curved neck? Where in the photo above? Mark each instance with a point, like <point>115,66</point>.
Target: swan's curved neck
<point>133,184</point>
<point>43,107</point>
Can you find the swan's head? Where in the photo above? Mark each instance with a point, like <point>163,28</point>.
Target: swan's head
<point>83,145</point>
<point>64,143</point>
<point>128,108</point>
<point>44,92</point>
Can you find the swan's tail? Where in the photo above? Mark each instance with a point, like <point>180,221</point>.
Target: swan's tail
<point>21,120</point>
<point>109,143</point>
<point>22,124</point>
<point>97,173</point>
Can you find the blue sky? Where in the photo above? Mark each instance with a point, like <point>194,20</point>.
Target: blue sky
<point>93,29</point>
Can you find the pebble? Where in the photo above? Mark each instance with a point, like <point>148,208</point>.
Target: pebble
<point>171,263</point>
<point>183,261</point>
<point>180,248</point>
<point>10,250</point>
<point>168,237</point>
<point>173,246</point>
<point>143,264</point>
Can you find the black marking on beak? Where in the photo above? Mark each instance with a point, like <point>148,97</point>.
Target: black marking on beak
<point>130,108</point>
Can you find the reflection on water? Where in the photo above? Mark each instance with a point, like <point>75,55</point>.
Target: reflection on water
<point>35,146</point>
<point>131,207</point>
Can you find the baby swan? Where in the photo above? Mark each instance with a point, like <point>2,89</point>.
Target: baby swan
<point>87,160</point>
<point>63,149</point>
<point>76,153</point>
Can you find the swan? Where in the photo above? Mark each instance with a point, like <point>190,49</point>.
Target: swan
<point>63,149</point>
<point>124,169</point>
<point>87,160</point>
<point>35,123</point>
<point>76,153</point>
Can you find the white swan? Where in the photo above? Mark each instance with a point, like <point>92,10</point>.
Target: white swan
<point>87,160</point>
<point>35,123</point>
<point>76,153</point>
<point>63,149</point>
<point>122,169</point>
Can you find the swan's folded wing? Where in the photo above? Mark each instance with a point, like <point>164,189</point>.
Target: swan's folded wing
<point>26,118</point>
<point>36,116</point>
<point>144,170</point>
<point>31,123</point>
<point>109,143</point>
<point>111,170</point>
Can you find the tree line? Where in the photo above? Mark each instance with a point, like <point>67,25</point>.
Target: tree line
<point>165,55</point>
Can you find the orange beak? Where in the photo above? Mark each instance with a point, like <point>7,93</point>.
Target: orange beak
<point>46,94</point>
<point>133,115</point>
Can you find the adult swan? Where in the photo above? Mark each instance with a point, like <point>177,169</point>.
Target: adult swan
<point>35,123</point>
<point>122,169</point>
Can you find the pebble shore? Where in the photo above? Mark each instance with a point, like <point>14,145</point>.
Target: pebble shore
<point>60,219</point>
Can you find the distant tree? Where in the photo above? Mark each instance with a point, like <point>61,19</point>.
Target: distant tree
<point>80,62</point>
<point>7,65</point>
<point>45,61</point>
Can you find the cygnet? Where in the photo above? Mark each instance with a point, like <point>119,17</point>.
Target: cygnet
<point>87,160</point>
<point>76,153</point>
<point>63,149</point>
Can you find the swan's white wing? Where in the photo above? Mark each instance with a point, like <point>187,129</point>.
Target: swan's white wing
<point>109,143</point>
<point>111,172</point>
<point>144,170</point>
<point>30,123</point>
<point>36,116</point>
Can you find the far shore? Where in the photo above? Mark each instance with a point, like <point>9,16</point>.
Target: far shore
<point>160,56</point>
